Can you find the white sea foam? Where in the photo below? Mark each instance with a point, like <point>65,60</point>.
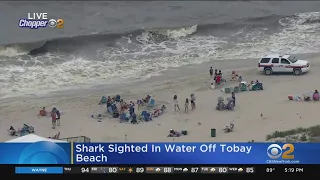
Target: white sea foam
<point>148,58</point>
<point>11,52</point>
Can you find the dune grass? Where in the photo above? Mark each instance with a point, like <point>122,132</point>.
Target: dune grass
<point>313,131</point>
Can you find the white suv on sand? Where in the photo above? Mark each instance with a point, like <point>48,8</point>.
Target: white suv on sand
<point>283,64</point>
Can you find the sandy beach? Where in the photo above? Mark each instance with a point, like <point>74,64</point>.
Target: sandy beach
<point>77,106</point>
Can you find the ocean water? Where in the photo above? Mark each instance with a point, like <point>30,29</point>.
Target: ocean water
<point>109,42</point>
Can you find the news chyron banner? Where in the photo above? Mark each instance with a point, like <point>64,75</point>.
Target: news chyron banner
<point>158,153</point>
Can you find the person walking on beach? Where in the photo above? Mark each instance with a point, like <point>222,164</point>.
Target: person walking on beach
<point>234,98</point>
<point>58,117</point>
<point>193,101</point>
<point>211,72</point>
<point>186,106</point>
<point>57,112</point>
<point>175,103</point>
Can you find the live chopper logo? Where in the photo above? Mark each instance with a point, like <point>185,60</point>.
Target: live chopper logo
<point>40,20</point>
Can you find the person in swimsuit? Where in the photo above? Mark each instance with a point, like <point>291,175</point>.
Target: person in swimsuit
<point>43,112</point>
<point>186,106</point>
<point>58,117</point>
<point>234,98</point>
<point>54,119</point>
<point>215,75</point>
<point>316,95</point>
<point>176,103</point>
<point>211,72</point>
<point>193,101</point>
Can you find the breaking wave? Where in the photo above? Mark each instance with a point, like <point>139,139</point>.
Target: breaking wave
<point>56,63</point>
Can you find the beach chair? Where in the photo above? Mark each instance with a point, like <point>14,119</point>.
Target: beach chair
<point>123,117</point>
<point>143,113</point>
<point>227,90</point>
<point>236,89</point>
<point>23,132</point>
<point>110,110</point>
<point>118,97</point>
<point>257,87</point>
<point>243,87</point>
<point>152,103</point>
<point>103,100</point>
<point>145,116</point>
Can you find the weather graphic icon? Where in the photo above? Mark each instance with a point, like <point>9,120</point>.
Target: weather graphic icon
<point>185,169</point>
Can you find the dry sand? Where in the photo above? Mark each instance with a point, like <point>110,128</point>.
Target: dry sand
<point>278,112</point>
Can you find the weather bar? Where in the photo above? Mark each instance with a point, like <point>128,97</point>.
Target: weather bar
<point>170,169</point>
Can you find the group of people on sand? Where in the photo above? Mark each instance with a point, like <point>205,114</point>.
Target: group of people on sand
<point>252,83</point>
<point>55,116</point>
<point>127,110</point>
<point>124,106</point>
<point>186,103</point>
<point>217,77</point>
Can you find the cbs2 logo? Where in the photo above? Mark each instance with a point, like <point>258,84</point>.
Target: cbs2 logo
<point>275,151</point>
<point>59,23</point>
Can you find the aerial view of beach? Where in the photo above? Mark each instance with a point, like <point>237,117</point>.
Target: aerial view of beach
<point>144,71</point>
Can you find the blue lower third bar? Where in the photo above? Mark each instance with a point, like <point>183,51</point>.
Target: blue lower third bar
<point>39,170</point>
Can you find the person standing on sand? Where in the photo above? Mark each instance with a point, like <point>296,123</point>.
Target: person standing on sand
<point>193,101</point>
<point>215,76</point>
<point>211,72</point>
<point>131,108</point>
<point>234,98</point>
<point>176,103</point>
<point>54,119</point>
<point>186,106</point>
<point>58,117</point>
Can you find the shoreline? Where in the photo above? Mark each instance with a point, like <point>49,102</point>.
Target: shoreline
<point>272,103</point>
<point>170,73</point>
